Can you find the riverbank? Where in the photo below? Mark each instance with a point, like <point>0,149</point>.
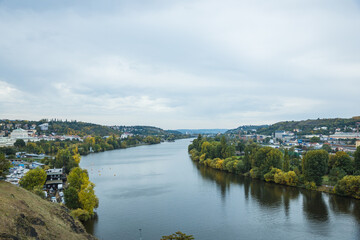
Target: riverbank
<point>308,186</point>
<point>315,170</point>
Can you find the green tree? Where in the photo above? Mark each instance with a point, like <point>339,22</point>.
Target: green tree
<point>326,147</point>
<point>223,146</point>
<point>178,236</point>
<point>65,159</point>
<point>343,161</point>
<point>4,165</point>
<point>315,165</point>
<point>19,143</point>
<point>71,198</point>
<point>286,163</point>
<point>315,139</point>
<point>357,159</point>
<point>78,177</point>
<point>33,178</point>
<point>265,159</point>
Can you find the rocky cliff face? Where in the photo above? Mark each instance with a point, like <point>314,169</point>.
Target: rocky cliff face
<point>23,215</point>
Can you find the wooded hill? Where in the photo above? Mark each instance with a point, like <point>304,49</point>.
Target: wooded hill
<point>307,126</point>
<point>83,128</point>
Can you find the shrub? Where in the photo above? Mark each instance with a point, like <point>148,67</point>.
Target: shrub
<point>269,177</point>
<point>80,214</point>
<point>349,186</point>
<point>291,178</point>
<point>310,185</point>
<point>38,190</point>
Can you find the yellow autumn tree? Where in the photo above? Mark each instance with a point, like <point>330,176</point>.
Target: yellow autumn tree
<point>87,198</point>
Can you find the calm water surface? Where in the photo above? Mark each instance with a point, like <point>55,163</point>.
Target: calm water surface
<point>159,189</point>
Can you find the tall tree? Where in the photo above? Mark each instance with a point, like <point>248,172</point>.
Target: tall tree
<point>71,198</point>
<point>343,161</point>
<point>286,163</point>
<point>87,198</point>
<point>315,165</point>
<point>65,159</point>
<point>357,160</point>
<point>78,177</point>
<point>4,165</point>
<point>223,146</point>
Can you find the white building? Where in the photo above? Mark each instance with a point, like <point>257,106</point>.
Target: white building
<point>6,142</point>
<point>126,135</point>
<point>345,135</point>
<point>44,126</point>
<point>284,135</point>
<point>19,134</point>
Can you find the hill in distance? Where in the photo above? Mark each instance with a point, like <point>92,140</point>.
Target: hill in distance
<point>202,131</point>
<point>61,127</point>
<point>24,215</point>
<point>307,126</point>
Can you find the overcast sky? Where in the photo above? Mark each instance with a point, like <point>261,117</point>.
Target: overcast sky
<point>179,64</point>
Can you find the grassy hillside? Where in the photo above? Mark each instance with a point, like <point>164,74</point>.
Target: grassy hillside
<point>24,215</point>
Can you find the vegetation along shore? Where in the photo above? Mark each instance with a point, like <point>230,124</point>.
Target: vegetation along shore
<point>336,173</point>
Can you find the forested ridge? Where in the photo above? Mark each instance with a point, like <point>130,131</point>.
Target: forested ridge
<point>73,127</point>
<point>306,126</point>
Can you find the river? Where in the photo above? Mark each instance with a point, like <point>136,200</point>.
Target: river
<point>158,189</point>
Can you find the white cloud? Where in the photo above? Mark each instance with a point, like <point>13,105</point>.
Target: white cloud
<point>181,63</point>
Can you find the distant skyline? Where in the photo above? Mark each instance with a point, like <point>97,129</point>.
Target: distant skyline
<point>179,64</point>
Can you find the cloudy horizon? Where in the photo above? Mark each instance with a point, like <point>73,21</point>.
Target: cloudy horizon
<point>179,64</point>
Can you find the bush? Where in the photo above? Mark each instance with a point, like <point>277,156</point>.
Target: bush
<point>349,186</point>
<point>310,185</point>
<point>291,178</point>
<point>177,236</point>
<point>39,191</point>
<point>270,176</point>
<point>240,167</point>
<point>80,214</point>
<point>254,172</point>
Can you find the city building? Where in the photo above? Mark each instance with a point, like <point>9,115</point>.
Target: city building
<point>44,126</point>
<point>345,135</point>
<point>19,134</point>
<point>126,135</point>
<point>55,178</point>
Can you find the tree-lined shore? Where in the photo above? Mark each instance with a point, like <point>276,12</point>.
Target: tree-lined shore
<point>317,170</point>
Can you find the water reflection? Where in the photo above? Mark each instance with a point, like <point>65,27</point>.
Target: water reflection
<point>269,195</point>
<point>91,224</point>
<point>314,206</point>
<point>289,193</point>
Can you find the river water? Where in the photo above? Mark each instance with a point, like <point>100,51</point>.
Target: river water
<point>158,189</point>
